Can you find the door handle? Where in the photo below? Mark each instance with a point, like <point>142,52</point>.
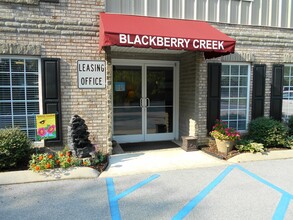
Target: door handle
<point>148,101</point>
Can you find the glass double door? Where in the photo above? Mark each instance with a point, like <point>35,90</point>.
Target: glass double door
<point>143,103</point>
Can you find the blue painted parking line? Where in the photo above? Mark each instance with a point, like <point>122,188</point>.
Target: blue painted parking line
<point>261,180</point>
<point>282,207</point>
<point>113,198</point>
<point>197,199</point>
<point>280,211</point>
<point>113,202</point>
<point>285,199</point>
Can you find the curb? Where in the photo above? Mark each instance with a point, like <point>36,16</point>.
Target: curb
<point>271,155</point>
<point>28,176</point>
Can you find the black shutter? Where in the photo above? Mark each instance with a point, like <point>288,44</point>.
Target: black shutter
<point>214,94</point>
<point>258,93</point>
<point>51,95</point>
<point>277,92</point>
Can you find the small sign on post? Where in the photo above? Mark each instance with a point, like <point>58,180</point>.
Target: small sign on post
<point>91,74</point>
<point>46,126</point>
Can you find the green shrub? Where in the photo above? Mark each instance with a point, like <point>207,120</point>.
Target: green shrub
<point>249,145</point>
<point>290,125</point>
<point>289,142</point>
<point>269,132</point>
<point>15,148</point>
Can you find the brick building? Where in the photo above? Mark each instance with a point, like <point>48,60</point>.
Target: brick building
<point>148,94</point>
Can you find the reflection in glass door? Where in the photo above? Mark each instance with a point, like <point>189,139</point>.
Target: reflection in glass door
<point>143,103</point>
<point>127,100</point>
<point>159,99</point>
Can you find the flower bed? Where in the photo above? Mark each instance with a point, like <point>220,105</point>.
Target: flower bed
<point>65,159</point>
<point>212,150</point>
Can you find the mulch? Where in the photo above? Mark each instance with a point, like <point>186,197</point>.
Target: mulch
<point>212,150</point>
<point>102,166</point>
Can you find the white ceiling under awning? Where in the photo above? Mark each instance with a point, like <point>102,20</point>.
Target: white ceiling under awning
<point>145,50</point>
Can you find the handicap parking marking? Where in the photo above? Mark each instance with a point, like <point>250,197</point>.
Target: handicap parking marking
<point>113,198</point>
<point>199,197</point>
<point>285,199</point>
<point>282,207</point>
<point>279,212</point>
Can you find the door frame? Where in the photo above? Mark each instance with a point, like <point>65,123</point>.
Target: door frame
<point>144,64</point>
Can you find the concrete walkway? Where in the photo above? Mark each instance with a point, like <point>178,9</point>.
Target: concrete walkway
<point>158,160</point>
<point>178,159</point>
<point>139,163</point>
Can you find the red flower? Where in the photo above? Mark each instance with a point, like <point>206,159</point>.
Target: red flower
<point>50,156</point>
<point>68,153</point>
<point>42,132</point>
<point>68,160</point>
<point>37,168</point>
<point>48,166</point>
<point>51,129</point>
<point>223,132</point>
<point>40,157</point>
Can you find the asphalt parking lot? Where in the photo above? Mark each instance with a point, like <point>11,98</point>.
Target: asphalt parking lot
<point>253,190</point>
<point>231,192</point>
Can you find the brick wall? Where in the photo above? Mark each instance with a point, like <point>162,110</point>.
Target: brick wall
<point>187,95</point>
<point>254,45</point>
<point>193,96</point>
<point>67,30</point>
<point>265,45</point>
<point>202,79</point>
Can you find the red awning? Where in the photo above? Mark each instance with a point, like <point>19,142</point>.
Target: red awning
<point>163,33</point>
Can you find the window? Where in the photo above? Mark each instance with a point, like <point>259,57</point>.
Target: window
<point>19,93</point>
<point>287,106</point>
<point>235,95</point>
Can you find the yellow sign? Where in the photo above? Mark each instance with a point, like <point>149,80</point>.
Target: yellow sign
<point>46,126</point>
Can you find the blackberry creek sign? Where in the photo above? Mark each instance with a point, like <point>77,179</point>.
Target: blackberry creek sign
<point>162,33</point>
<point>91,74</point>
<point>170,42</point>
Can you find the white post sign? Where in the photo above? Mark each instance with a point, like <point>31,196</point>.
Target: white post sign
<point>91,74</point>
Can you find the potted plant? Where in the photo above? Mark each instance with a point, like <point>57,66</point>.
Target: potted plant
<point>224,136</point>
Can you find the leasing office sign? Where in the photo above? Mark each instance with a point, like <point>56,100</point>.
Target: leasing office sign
<point>91,74</point>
